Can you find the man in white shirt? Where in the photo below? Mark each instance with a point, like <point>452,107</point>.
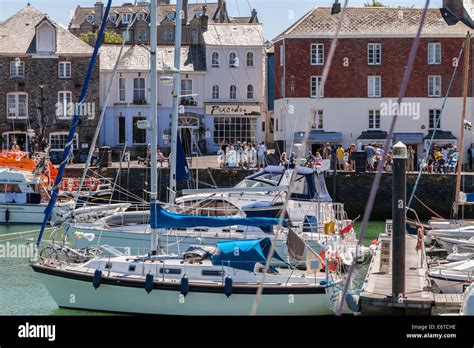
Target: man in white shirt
<point>262,150</point>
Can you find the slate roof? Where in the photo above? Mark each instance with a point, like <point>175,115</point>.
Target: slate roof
<point>228,34</point>
<point>376,21</point>
<point>137,57</point>
<point>373,135</point>
<point>440,135</point>
<point>17,35</point>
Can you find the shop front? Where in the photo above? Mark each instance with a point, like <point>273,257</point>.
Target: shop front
<point>232,124</point>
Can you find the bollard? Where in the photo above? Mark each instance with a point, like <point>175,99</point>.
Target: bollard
<point>399,188</point>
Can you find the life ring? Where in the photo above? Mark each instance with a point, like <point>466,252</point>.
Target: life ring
<point>64,185</point>
<point>92,184</point>
<point>420,235</point>
<point>334,261</point>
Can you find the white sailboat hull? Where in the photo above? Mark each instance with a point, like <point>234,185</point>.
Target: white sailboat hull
<point>80,294</point>
<point>30,213</point>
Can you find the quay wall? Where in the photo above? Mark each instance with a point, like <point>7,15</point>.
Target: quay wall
<point>352,189</point>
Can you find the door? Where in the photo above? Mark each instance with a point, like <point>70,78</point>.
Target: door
<point>187,140</point>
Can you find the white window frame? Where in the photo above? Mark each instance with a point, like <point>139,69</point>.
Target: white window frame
<point>434,53</point>
<point>17,68</point>
<point>372,90</point>
<point>317,54</point>
<point>215,62</point>
<point>127,17</point>
<point>114,16</point>
<point>250,89</point>
<point>75,141</point>
<point>90,18</point>
<point>374,119</point>
<point>315,87</point>
<point>139,89</point>
<point>215,92</point>
<point>251,60</point>
<point>436,115</point>
<point>434,92</point>
<point>376,58</point>
<point>16,106</point>
<point>126,35</point>
<point>62,70</point>
<point>63,115</point>
<point>120,90</point>
<point>318,119</point>
<point>233,92</point>
<point>141,16</point>
<point>235,62</point>
<point>185,90</point>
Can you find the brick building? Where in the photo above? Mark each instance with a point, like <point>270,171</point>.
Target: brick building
<point>42,68</point>
<point>366,74</point>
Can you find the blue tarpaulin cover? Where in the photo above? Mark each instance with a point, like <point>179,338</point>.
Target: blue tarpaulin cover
<point>244,254</point>
<point>166,219</point>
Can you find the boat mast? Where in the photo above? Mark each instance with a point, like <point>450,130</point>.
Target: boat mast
<point>176,95</point>
<point>153,126</point>
<point>465,89</point>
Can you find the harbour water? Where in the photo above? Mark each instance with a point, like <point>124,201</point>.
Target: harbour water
<point>21,292</point>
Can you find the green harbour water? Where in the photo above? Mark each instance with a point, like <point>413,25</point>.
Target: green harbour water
<point>22,293</point>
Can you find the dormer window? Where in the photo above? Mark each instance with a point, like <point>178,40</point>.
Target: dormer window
<point>90,18</point>
<point>168,34</point>
<point>171,15</point>
<point>141,16</point>
<point>45,37</point>
<point>113,17</point>
<point>198,13</point>
<point>126,18</point>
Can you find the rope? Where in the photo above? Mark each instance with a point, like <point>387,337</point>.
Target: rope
<point>428,208</point>
<point>378,175</point>
<point>294,173</point>
<point>438,120</point>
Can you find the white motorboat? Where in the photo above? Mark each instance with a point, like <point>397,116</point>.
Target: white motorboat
<point>458,245</point>
<point>467,304</point>
<point>452,278</point>
<point>457,256</point>
<point>464,232</point>
<point>23,199</point>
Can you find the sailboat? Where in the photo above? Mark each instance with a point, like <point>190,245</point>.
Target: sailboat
<point>220,281</point>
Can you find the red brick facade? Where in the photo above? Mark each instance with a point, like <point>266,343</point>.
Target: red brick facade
<point>349,69</point>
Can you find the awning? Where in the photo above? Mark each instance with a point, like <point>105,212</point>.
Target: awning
<point>441,135</point>
<point>373,135</point>
<point>318,136</point>
<point>408,138</point>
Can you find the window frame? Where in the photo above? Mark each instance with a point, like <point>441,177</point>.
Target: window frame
<point>317,90</point>
<point>318,119</point>
<point>374,119</point>
<point>137,129</point>
<point>215,63</point>
<point>372,93</point>
<point>14,63</point>
<point>316,55</point>
<point>377,51</point>
<point>17,106</point>
<point>124,89</point>
<point>61,70</point>
<point>436,45</point>
<point>215,92</point>
<point>76,141</point>
<point>64,116</point>
<point>435,79</point>
<point>250,89</point>
<point>233,92</point>
<point>124,129</point>
<point>252,59</point>
<point>128,16</point>
<point>234,64</point>
<point>433,115</point>
<point>139,90</point>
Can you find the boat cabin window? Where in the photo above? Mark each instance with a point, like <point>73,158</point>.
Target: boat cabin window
<point>212,273</point>
<point>108,265</point>
<point>251,183</point>
<point>11,193</point>
<point>131,268</point>
<point>215,207</point>
<point>170,270</point>
<point>300,186</point>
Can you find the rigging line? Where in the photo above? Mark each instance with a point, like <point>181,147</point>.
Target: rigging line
<point>294,173</point>
<point>378,175</point>
<point>75,121</point>
<point>102,114</point>
<point>438,121</point>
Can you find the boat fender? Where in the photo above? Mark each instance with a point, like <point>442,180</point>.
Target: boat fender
<point>353,302</point>
<point>184,285</point>
<point>149,282</point>
<point>97,278</point>
<point>7,215</point>
<point>228,285</point>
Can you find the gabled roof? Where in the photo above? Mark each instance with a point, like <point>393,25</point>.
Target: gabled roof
<point>137,57</point>
<point>376,22</point>
<point>227,34</point>
<point>25,22</point>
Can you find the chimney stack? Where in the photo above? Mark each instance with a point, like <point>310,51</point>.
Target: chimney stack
<point>253,18</point>
<point>98,13</point>
<point>204,18</point>
<point>336,7</point>
<point>455,6</point>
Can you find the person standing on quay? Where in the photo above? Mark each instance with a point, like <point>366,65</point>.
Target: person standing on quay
<point>411,159</point>
<point>340,157</point>
<point>262,149</point>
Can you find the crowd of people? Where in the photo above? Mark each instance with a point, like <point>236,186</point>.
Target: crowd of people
<point>440,159</point>
<point>242,154</point>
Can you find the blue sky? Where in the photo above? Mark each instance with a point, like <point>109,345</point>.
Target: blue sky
<point>276,15</point>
